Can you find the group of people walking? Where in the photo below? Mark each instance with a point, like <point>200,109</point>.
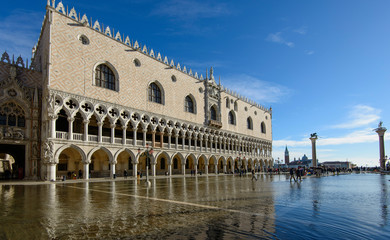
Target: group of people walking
<point>298,172</point>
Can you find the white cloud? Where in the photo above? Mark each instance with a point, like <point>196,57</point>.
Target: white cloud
<point>302,30</point>
<point>360,136</point>
<point>309,52</point>
<point>360,115</point>
<point>256,89</point>
<point>277,38</point>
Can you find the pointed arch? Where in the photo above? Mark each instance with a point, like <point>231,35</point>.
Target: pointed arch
<point>190,104</point>
<point>156,93</point>
<point>249,123</point>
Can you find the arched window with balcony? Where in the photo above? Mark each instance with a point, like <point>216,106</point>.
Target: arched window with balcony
<point>213,113</point>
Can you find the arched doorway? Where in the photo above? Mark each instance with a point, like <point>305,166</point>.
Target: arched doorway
<point>70,164</point>
<point>13,160</point>
<point>100,165</point>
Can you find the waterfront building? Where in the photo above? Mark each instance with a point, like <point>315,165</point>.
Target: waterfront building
<point>337,164</point>
<point>94,100</point>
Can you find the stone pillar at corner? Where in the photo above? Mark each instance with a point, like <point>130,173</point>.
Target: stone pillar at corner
<point>313,138</point>
<point>381,133</point>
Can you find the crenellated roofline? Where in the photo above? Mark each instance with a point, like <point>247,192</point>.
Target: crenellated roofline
<point>135,45</point>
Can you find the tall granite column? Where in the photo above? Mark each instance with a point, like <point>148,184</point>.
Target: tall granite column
<point>381,133</point>
<point>313,138</point>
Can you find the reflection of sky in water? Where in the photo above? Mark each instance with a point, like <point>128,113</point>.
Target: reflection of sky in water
<point>345,206</point>
<point>351,206</point>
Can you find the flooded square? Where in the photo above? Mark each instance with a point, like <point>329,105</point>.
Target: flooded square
<point>353,206</point>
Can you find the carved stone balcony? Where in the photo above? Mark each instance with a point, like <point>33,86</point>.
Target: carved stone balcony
<point>214,123</point>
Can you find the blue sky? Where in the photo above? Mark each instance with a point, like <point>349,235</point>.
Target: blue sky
<point>322,65</point>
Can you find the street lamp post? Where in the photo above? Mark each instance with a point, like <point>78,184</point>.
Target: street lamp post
<point>146,153</point>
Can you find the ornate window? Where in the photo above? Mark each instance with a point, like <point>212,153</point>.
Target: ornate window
<point>249,123</point>
<point>263,130</point>
<point>213,113</point>
<point>155,93</point>
<point>105,77</point>
<point>12,115</point>
<point>231,118</point>
<point>227,102</point>
<point>189,105</point>
<point>235,106</point>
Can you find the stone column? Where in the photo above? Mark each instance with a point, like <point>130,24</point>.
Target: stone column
<point>313,139</point>
<point>183,169</point>
<point>53,119</point>
<point>86,122</point>
<point>216,168</point>
<point>100,126</point>
<point>135,137</point>
<point>70,128</point>
<point>153,168</point>
<point>176,141</point>
<point>144,137</point>
<point>169,140</point>
<point>381,133</point>
<point>135,170</point>
<point>51,171</point>
<point>112,172</point>
<point>205,145</point>
<point>112,126</point>
<point>196,169</point>
<point>196,142</point>
<point>183,142</point>
<point>224,168</point>
<point>206,169</point>
<point>170,169</point>
<point>153,139</point>
<point>124,134</point>
<point>161,139</point>
<point>86,171</point>
<point>189,143</point>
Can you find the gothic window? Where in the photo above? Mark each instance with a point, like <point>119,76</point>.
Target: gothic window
<point>227,103</point>
<point>249,123</point>
<point>231,118</point>
<point>213,113</point>
<point>12,114</point>
<point>263,130</point>
<point>155,93</point>
<point>235,106</point>
<point>104,77</point>
<point>189,105</point>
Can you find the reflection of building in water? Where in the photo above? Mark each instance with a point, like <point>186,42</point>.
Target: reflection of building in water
<point>92,97</point>
<point>6,165</point>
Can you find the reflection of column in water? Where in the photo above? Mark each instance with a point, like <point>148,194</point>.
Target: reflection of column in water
<point>316,195</point>
<point>86,207</point>
<point>196,188</point>
<point>52,211</point>
<point>384,199</point>
<point>8,197</point>
<point>184,189</point>
<point>171,193</point>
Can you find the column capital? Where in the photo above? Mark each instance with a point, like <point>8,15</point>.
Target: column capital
<point>86,121</point>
